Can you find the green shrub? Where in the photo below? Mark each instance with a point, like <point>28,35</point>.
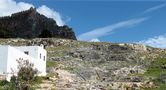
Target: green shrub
<point>3,82</point>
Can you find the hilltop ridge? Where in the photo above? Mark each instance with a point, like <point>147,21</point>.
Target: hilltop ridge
<point>31,24</point>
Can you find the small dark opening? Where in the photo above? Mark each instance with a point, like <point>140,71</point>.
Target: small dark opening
<point>44,58</point>
<point>26,52</point>
<point>40,55</point>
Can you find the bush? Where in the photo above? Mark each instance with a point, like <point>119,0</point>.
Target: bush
<point>3,82</point>
<point>25,76</point>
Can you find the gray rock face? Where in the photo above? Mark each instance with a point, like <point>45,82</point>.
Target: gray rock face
<point>31,24</point>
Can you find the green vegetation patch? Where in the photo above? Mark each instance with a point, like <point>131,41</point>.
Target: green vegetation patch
<point>157,72</point>
<point>56,54</point>
<point>157,67</point>
<point>52,63</point>
<point>58,48</point>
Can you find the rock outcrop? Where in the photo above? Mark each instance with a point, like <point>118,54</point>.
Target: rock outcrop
<point>31,24</point>
<point>76,65</point>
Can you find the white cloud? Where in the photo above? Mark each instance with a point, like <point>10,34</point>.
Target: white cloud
<point>7,7</point>
<point>95,40</point>
<point>50,13</point>
<point>157,41</point>
<point>103,31</point>
<point>24,6</point>
<point>154,8</point>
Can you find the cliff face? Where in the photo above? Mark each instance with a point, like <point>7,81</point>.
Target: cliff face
<point>31,24</point>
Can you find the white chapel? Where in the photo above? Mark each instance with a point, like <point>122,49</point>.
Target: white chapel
<point>10,54</point>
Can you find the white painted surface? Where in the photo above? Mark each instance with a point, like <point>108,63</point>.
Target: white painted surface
<point>3,59</point>
<point>9,56</point>
<point>37,52</point>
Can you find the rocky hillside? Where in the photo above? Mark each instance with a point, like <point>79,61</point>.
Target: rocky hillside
<point>75,65</point>
<point>31,24</point>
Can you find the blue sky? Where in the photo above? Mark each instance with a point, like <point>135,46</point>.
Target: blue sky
<point>112,21</point>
